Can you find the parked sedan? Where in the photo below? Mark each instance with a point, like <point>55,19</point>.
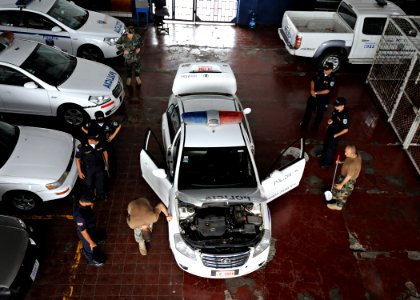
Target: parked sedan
<point>42,80</point>
<point>62,23</point>
<point>36,165</point>
<point>18,258</point>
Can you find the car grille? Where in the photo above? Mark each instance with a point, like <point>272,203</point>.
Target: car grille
<point>225,261</point>
<point>117,90</point>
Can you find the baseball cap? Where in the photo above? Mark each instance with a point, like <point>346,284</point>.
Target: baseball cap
<point>99,116</point>
<point>86,197</point>
<point>328,66</point>
<point>131,29</point>
<point>93,135</point>
<point>340,101</point>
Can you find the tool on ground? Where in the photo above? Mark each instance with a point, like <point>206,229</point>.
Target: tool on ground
<point>328,194</point>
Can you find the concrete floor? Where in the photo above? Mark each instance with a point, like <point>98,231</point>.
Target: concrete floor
<point>371,250</point>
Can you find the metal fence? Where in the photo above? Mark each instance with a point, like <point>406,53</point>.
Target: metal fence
<point>395,79</point>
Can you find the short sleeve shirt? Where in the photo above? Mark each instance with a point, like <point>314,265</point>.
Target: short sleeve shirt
<point>84,217</point>
<point>340,120</point>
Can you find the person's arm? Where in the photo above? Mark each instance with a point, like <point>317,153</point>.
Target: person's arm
<point>79,168</point>
<point>106,158</point>
<point>323,92</point>
<point>340,185</point>
<point>313,88</point>
<point>84,130</point>
<point>87,237</point>
<point>162,208</point>
<point>114,134</point>
<point>344,131</point>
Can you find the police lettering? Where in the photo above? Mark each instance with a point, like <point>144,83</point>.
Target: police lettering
<point>109,79</point>
<point>233,197</point>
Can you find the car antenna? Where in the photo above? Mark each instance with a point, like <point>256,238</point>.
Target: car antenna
<point>381,3</point>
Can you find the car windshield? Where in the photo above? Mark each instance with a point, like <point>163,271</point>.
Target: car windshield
<point>216,168</point>
<point>9,135</point>
<point>50,65</point>
<point>69,14</point>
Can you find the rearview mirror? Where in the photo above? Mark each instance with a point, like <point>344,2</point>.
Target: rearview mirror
<point>30,85</point>
<point>56,29</point>
<point>247,111</point>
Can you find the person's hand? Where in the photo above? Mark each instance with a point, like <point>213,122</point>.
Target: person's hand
<point>137,50</point>
<point>313,93</point>
<point>169,218</point>
<point>330,121</point>
<point>338,186</point>
<point>126,52</point>
<point>81,175</point>
<point>92,245</point>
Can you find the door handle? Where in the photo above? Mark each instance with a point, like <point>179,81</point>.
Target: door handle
<point>363,40</point>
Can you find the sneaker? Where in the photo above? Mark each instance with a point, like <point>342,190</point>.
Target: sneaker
<point>95,263</point>
<point>138,80</point>
<point>334,207</point>
<point>142,248</point>
<point>128,82</point>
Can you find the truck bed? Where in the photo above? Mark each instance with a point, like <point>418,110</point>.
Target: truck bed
<point>326,22</point>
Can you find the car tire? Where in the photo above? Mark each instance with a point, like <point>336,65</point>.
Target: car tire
<point>335,57</point>
<point>72,115</point>
<point>90,52</point>
<point>23,200</point>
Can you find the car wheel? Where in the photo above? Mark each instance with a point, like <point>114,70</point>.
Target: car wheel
<point>72,115</point>
<point>335,57</point>
<point>90,52</point>
<point>23,200</point>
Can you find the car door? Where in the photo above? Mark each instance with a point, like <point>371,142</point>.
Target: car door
<point>44,30</point>
<point>367,38</point>
<point>152,162</point>
<point>288,175</point>
<point>20,94</point>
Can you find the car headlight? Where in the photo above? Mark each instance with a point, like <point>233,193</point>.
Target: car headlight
<point>264,244</point>
<point>98,100</point>
<point>182,247</point>
<point>58,183</point>
<point>111,41</point>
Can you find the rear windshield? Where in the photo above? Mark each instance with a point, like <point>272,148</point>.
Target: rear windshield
<point>348,15</point>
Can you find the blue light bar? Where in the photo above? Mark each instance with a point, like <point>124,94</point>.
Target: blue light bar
<point>23,3</point>
<point>195,117</point>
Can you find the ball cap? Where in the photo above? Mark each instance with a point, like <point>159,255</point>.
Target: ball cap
<point>93,135</point>
<point>86,197</point>
<point>131,29</point>
<point>328,66</point>
<point>99,116</point>
<point>340,101</point>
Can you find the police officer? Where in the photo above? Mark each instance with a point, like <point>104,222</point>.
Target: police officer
<point>338,125</point>
<point>86,226</point>
<point>130,43</point>
<point>321,86</point>
<point>92,164</point>
<point>106,129</point>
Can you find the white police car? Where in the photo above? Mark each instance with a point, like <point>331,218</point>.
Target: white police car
<point>36,165</point>
<point>42,80</point>
<point>208,178</point>
<point>62,23</point>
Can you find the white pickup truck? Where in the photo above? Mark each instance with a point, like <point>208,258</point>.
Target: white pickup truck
<point>351,34</point>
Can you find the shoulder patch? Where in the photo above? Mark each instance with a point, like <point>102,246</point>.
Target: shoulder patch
<point>345,121</point>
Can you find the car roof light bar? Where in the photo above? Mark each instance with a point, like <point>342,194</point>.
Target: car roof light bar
<point>22,3</point>
<point>212,117</point>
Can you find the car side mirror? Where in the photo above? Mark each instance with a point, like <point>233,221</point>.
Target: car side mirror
<point>160,173</point>
<point>247,111</point>
<point>56,29</point>
<point>30,85</point>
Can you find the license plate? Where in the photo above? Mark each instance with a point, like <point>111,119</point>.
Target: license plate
<point>35,270</point>
<point>224,273</point>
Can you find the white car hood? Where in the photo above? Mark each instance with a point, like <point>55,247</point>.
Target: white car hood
<point>91,78</point>
<point>40,154</point>
<point>202,196</point>
<point>103,25</point>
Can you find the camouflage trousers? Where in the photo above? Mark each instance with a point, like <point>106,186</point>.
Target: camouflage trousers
<point>340,196</point>
<point>131,64</point>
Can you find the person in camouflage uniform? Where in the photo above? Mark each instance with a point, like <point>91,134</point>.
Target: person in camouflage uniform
<point>131,43</point>
<point>350,171</point>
